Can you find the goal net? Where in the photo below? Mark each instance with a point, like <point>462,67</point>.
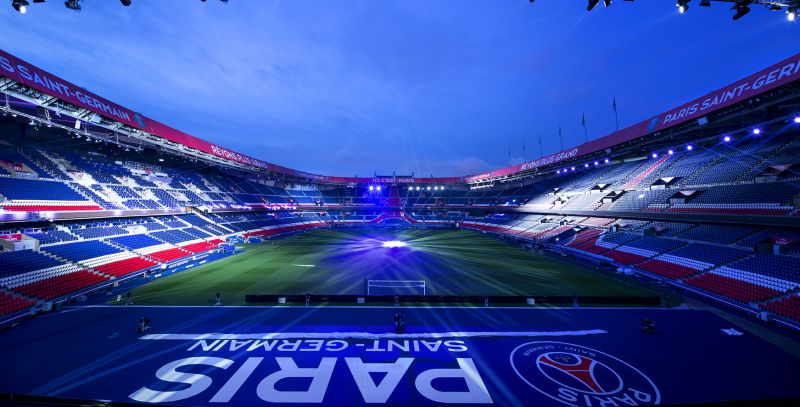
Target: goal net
<point>396,287</point>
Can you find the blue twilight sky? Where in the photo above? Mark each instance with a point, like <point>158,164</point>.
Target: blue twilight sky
<point>442,87</point>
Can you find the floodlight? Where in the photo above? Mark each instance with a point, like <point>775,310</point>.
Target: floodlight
<point>20,5</point>
<point>392,244</point>
<point>683,6</point>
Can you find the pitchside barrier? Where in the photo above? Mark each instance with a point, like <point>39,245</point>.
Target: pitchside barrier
<point>396,287</point>
<point>455,299</point>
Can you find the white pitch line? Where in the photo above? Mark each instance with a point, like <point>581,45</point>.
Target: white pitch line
<point>367,335</point>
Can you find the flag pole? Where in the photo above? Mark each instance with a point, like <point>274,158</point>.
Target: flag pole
<point>616,118</point>
<point>541,149</point>
<point>583,123</point>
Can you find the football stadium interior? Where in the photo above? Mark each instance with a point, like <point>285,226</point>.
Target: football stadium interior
<point>659,264</point>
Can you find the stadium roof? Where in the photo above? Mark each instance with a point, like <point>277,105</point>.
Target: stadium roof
<point>93,109</point>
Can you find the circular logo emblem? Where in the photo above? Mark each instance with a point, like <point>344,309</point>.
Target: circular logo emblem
<point>579,376</point>
<point>653,123</point>
<point>139,120</point>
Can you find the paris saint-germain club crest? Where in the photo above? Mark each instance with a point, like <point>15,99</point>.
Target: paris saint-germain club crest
<point>579,376</point>
<point>140,121</point>
<point>653,123</point>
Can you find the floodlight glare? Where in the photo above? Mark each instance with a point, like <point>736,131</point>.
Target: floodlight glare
<point>392,244</point>
<point>756,131</point>
<point>683,6</point>
<point>797,119</point>
<point>20,5</point>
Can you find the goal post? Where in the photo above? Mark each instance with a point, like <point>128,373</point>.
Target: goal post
<point>396,287</point>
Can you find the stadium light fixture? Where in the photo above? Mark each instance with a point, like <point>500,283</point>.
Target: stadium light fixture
<point>791,14</point>
<point>741,8</point>
<point>417,188</point>
<point>586,165</point>
<point>683,6</point>
<point>126,3</point>
<point>797,119</point>
<point>726,139</point>
<point>393,244</point>
<point>573,168</point>
<point>20,5</point>
<point>378,188</point>
<point>161,160</point>
<point>689,148</point>
<point>670,152</point>
<point>655,155</point>
<point>592,4</point>
<point>596,163</point>
<point>756,131</point>
<point>73,5</point>
<point>606,161</point>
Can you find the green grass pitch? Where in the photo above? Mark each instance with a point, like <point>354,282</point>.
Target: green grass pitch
<point>338,261</point>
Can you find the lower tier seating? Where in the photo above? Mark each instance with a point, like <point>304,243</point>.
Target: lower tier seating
<point>125,267</point>
<point>169,255</point>
<point>738,290</point>
<point>788,307</point>
<point>199,247</point>
<point>58,286</point>
<point>12,303</point>
<point>668,270</point>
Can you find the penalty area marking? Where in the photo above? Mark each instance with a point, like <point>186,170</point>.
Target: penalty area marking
<point>367,335</point>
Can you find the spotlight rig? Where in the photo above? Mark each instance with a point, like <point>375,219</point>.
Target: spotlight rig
<point>21,6</point>
<point>740,7</point>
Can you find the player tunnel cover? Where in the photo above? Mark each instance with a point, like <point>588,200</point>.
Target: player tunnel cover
<point>576,375</point>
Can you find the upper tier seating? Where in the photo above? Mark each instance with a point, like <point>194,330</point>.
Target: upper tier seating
<point>51,236</point>
<point>33,190</point>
